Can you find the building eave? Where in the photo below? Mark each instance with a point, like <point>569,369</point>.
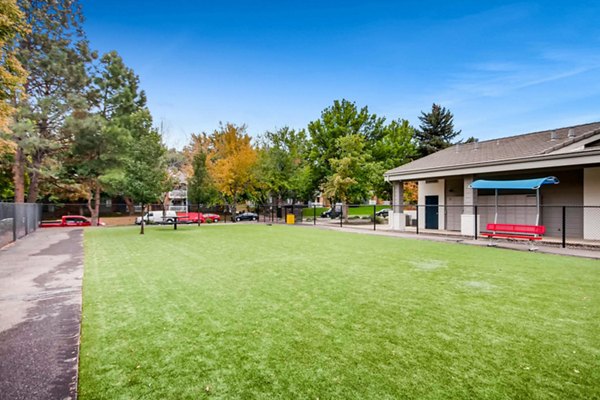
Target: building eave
<point>506,165</point>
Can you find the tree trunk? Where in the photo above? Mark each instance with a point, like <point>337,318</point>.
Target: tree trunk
<point>19,175</point>
<point>95,210</point>
<point>234,208</point>
<point>89,206</point>
<point>34,182</point>
<point>97,206</point>
<point>130,205</point>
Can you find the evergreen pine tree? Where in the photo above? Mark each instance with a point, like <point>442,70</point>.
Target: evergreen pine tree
<point>436,131</point>
<point>55,53</point>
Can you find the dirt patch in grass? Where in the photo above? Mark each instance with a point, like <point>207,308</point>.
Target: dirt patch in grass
<point>118,221</point>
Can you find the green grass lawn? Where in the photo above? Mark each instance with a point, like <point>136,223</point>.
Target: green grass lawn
<point>247,312</point>
<point>360,210</point>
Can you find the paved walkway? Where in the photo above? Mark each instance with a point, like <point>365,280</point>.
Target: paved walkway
<point>522,245</point>
<point>40,315</point>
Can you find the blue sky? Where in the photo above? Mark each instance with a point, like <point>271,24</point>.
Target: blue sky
<point>502,68</point>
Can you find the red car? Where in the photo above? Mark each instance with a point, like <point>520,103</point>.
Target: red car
<point>190,218</point>
<point>212,217</point>
<point>67,220</point>
<point>193,217</point>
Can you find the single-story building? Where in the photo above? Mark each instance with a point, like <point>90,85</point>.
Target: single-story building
<point>571,154</point>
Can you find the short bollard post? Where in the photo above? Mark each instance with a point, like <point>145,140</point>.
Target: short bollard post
<point>314,214</point>
<point>175,224</point>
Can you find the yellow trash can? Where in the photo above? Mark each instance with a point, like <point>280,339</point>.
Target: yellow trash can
<point>290,219</point>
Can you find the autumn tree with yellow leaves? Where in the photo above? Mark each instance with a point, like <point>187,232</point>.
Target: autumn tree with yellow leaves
<point>231,159</point>
<point>12,73</point>
<point>12,78</point>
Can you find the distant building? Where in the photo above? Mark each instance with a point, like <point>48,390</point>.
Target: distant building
<point>177,198</point>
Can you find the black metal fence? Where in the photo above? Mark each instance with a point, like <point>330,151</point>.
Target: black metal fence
<point>18,220</point>
<point>565,224</point>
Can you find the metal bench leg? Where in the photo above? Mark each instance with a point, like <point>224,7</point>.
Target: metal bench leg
<point>532,246</point>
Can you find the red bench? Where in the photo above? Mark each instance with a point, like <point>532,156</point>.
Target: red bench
<point>515,231</point>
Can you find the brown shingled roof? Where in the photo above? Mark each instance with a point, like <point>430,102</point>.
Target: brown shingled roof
<point>508,148</point>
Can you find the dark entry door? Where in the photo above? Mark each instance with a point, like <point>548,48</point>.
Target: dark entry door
<point>431,212</point>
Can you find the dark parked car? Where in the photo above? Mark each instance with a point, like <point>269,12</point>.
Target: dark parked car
<point>332,212</point>
<point>246,216</point>
<point>384,212</point>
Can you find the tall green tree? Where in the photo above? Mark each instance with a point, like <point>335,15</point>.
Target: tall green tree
<point>201,189</point>
<point>281,164</point>
<point>145,176</point>
<point>352,168</point>
<point>116,92</point>
<point>101,135</point>
<point>55,54</point>
<point>342,119</point>
<point>396,147</point>
<point>436,131</point>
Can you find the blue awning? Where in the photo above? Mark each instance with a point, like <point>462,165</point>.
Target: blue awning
<point>525,184</point>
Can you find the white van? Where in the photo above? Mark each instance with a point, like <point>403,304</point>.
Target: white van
<point>158,217</point>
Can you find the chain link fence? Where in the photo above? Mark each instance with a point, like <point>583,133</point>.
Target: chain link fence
<point>18,220</point>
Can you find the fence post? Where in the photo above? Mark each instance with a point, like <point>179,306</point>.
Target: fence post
<point>475,227</point>
<point>374,217</point>
<point>564,226</point>
<point>15,206</point>
<point>26,220</point>
<point>417,219</point>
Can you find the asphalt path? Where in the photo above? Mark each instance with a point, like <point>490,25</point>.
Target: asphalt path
<point>40,315</point>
